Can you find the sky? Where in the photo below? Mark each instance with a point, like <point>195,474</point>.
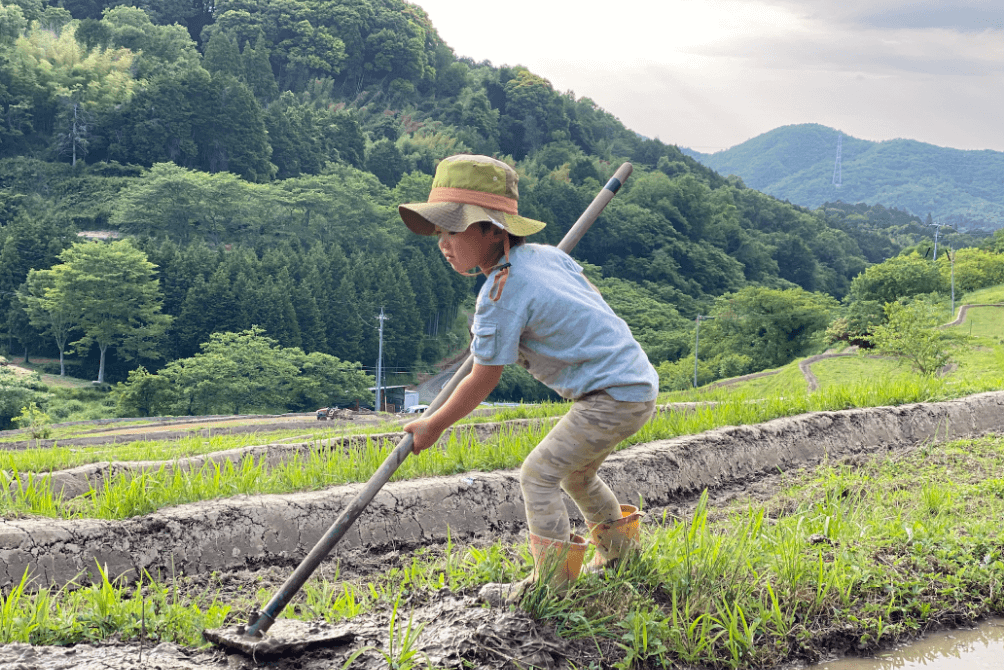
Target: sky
<point>710,74</point>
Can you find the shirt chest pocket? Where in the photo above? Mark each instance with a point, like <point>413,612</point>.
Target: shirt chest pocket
<point>485,341</point>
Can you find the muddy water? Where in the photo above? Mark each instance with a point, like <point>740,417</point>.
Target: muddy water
<point>980,648</point>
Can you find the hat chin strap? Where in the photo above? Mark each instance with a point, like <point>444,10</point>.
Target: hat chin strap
<point>501,276</point>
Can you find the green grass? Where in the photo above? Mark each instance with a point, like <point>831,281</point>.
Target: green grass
<point>985,324</point>
<point>66,382</point>
<point>133,494</point>
<point>73,614</point>
<point>863,556</point>
<point>983,296</point>
<point>833,373</point>
<point>46,459</point>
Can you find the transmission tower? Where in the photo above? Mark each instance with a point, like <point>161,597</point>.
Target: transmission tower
<point>836,164</point>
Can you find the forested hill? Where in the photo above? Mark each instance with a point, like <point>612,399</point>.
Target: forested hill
<point>796,163</point>
<point>255,152</point>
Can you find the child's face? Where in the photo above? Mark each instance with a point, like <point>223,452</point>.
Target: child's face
<point>471,248</point>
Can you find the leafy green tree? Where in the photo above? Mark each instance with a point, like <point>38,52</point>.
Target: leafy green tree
<point>57,318</point>
<point>258,71</point>
<point>222,56</point>
<point>770,326</point>
<point>900,276</point>
<point>231,134</point>
<point>243,372</point>
<point>293,135</point>
<point>12,23</point>
<point>182,203</point>
<point>161,50</point>
<point>114,290</point>
<point>385,160</point>
<point>325,380</point>
<point>235,372</point>
<point>159,124</point>
<point>974,269</point>
<point>343,137</point>
<point>82,80</point>
<point>17,326</point>
<point>142,394</point>
<point>996,243</point>
<point>911,334</point>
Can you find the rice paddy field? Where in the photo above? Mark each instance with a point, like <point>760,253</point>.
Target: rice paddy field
<point>851,555</point>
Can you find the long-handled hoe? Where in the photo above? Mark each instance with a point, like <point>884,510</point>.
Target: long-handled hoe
<point>291,636</point>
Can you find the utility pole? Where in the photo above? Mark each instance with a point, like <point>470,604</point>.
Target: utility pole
<point>951,257</point>
<point>379,370</point>
<point>697,342</point>
<point>937,231</point>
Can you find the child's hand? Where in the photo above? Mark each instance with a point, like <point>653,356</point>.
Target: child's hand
<point>424,433</point>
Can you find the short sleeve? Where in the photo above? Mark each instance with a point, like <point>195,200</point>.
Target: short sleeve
<point>496,334</point>
<point>484,342</point>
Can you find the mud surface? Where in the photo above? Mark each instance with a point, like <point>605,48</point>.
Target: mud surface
<point>454,633</point>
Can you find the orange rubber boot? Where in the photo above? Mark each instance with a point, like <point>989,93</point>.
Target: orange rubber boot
<point>615,539</point>
<point>555,563</point>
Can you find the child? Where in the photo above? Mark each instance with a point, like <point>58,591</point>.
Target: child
<point>538,309</point>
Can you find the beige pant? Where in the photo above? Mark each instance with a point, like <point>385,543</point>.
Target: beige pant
<point>569,457</point>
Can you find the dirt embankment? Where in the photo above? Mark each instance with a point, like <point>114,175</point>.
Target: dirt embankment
<point>252,532</point>
<point>78,481</point>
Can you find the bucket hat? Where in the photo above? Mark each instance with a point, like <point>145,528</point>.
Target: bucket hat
<point>468,189</point>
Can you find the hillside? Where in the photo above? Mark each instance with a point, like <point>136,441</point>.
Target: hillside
<point>256,158</point>
<point>796,163</point>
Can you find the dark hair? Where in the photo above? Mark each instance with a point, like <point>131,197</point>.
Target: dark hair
<point>514,240</point>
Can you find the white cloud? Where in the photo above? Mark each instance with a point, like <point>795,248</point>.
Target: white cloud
<point>713,73</point>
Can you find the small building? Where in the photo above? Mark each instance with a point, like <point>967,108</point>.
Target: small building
<point>396,398</point>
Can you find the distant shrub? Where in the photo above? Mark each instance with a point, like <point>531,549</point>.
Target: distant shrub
<point>64,410</point>
<point>974,269</point>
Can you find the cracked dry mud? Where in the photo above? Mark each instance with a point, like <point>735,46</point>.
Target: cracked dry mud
<point>243,544</point>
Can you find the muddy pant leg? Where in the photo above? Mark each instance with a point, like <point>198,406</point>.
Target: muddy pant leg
<point>569,457</point>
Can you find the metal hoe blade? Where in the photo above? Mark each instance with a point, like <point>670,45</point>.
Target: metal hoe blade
<point>288,637</point>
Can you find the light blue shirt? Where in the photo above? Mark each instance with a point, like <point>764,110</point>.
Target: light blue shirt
<point>554,323</point>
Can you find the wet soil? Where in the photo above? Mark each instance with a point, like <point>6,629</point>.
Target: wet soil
<point>965,648</point>
<point>455,633</point>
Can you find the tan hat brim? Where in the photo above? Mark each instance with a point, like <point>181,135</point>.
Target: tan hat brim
<point>424,217</point>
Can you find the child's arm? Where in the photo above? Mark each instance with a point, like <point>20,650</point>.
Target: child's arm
<point>470,392</point>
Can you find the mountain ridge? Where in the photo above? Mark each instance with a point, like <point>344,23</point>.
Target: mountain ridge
<point>962,187</point>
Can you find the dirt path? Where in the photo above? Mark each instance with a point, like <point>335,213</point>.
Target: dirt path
<point>965,308</point>
<point>805,366</point>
